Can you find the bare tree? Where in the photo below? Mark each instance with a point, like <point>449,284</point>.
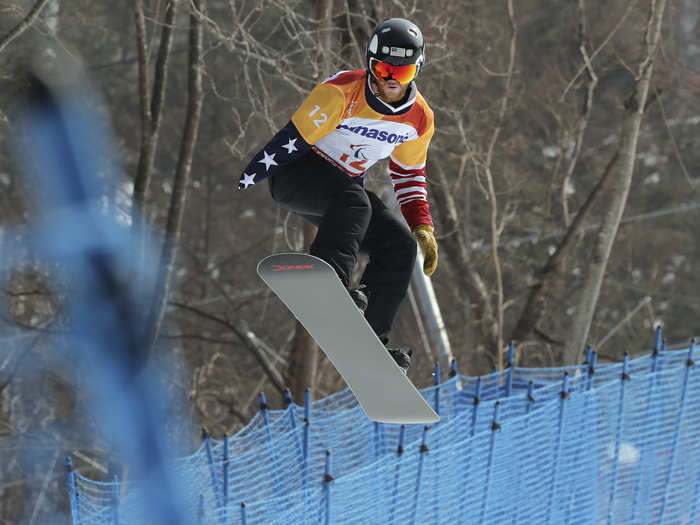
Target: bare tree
<point>547,276</point>
<point>499,223</point>
<point>182,175</point>
<point>622,171</point>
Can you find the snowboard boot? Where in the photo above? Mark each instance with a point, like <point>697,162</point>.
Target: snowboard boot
<point>402,356</point>
<point>360,296</point>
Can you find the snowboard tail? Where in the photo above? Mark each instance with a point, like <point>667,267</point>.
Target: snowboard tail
<point>311,290</point>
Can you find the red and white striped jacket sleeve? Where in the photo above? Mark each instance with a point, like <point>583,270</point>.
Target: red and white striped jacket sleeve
<point>407,170</point>
<point>411,192</point>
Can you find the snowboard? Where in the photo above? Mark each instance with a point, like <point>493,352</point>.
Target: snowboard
<point>312,291</point>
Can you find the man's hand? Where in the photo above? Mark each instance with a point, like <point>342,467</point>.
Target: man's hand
<point>428,245</point>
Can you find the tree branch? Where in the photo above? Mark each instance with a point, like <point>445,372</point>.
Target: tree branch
<point>25,24</point>
<point>252,343</point>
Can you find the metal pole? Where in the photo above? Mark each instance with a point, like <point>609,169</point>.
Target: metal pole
<point>427,302</point>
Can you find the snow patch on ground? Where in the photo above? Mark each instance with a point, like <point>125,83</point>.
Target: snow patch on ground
<point>629,454</point>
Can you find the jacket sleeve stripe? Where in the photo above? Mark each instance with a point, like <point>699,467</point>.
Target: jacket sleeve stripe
<point>413,189</point>
<point>407,180</point>
<point>395,165</point>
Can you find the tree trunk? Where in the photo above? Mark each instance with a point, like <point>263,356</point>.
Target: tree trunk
<point>621,179</point>
<point>182,176</point>
<point>552,271</point>
<point>151,106</point>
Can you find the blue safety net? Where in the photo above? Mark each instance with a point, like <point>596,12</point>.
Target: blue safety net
<point>589,444</point>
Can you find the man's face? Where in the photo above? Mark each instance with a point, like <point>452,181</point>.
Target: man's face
<point>390,90</point>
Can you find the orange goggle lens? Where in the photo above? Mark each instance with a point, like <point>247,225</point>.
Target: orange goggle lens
<point>385,71</point>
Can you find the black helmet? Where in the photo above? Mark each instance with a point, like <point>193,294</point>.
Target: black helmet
<point>396,41</point>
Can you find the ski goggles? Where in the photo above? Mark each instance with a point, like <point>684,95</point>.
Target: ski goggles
<point>386,71</point>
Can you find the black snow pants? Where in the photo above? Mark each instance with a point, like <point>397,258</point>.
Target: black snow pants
<point>350,221</point>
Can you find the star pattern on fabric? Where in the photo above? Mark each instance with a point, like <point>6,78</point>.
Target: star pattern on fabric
<point>268,160</point>
<point>289,146</point>
<point>246,180</point>
<point>285,147</point>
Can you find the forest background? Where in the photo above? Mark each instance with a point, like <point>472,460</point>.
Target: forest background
<point>561,127</point>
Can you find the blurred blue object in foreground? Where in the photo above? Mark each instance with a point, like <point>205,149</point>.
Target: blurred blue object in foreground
<point>67,157</point>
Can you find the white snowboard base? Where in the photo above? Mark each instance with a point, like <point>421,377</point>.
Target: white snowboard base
<point>310,288</point>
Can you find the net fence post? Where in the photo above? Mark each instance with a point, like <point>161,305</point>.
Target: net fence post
<point>509,372</point>
<point>210,460</point>
<point>472,431</point>
<point>582,422</point>
<point>307,423</point>
<point>244,514</point>
<point>290,404</point>
<point>115,499</point>
<point>645,453</point>
<point>696,495</point>
<point>624,378</point>
<point>72,492</point>
<point>477,399</point>
<point>270,445</point>
<point>457,385</point>
<point>399,453</point>
<point>563,397</point>
<point>495,427</point>
<point>593,361</point>
<point>225,481</point>
<point>378,452</point>
<point>655,393</point>
<point>438,380</point>
<point>305,450</point>
<point>327,481</point>
<point>681,415</point>
<point>436,374</point>
<point>657,338</point>
<point>528,406</point>
<point>422,451</point>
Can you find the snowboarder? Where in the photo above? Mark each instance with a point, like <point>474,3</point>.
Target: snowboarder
<point>316,166</point>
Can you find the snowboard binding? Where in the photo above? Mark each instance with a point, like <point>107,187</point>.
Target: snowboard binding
<point>402,356</point>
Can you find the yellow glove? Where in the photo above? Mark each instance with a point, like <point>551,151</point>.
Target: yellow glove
<point>428,245</point>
